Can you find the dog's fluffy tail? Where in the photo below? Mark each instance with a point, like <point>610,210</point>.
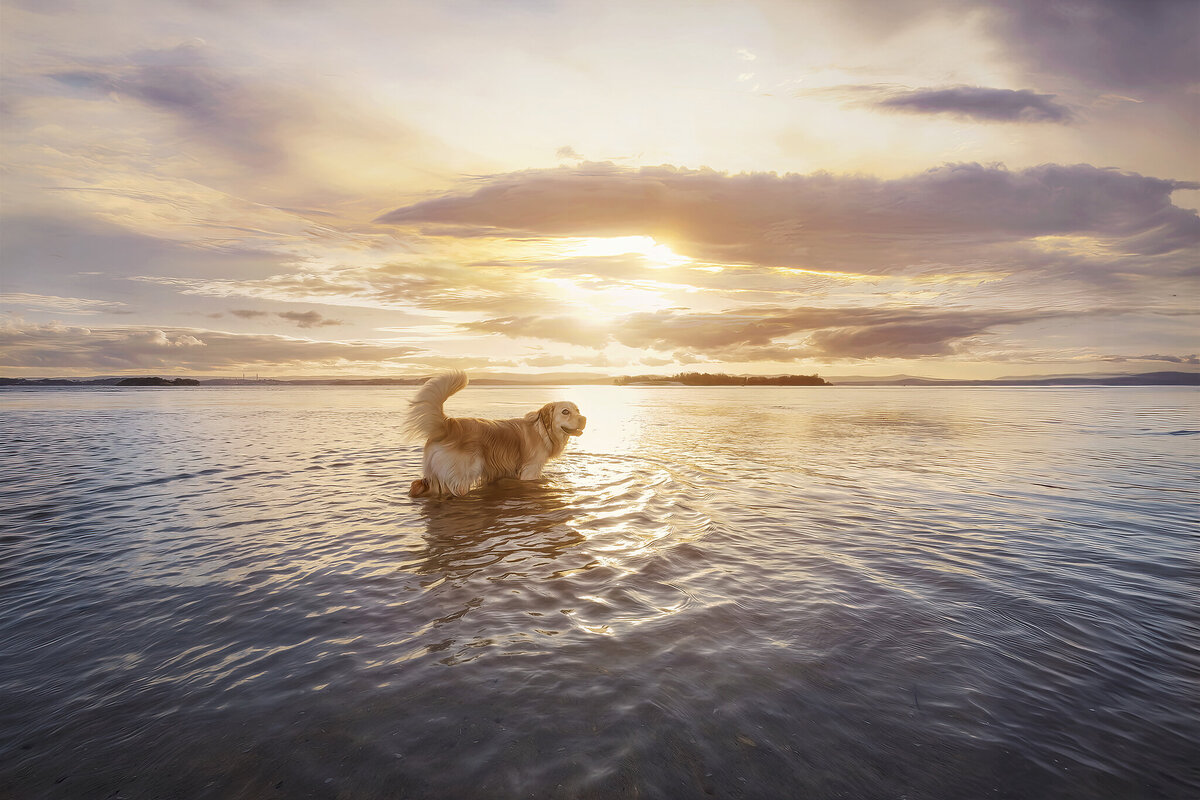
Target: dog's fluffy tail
<point>425,417</point>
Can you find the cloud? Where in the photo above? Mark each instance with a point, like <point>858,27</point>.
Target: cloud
<point>596,360</point>
<point>201,112</point>
<point>62,305</point>
<point>302,319</point>
<point>1125,44</point>
<point>954,214</point>
<point>65,243</point>
<point>230,114</point>
<point>831,332</point>
<point>443,286</point>
<point>780,333</point>
<point>1132,45</point>
<point>308,319</point>
<point>1190,359</point>
<point>569,330</point>
<point>55,347</point>
<point>977,103</point>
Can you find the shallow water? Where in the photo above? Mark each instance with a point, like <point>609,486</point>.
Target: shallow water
<point>732,592</point>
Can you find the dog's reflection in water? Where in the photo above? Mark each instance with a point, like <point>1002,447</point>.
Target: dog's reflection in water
<point>529,519</point>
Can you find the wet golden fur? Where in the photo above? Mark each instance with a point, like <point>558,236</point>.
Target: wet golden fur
<point>464,452</point>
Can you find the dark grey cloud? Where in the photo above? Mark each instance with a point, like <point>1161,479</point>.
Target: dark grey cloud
<point>302,319</point>
<point>1131,45</point>
<point>61,347</point>
<point>1105,45</point>
<point>977,103</point>
<point>953,214</point>
<point>308,319</point>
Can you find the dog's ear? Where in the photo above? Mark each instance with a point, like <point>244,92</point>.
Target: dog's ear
<point>546,415</point>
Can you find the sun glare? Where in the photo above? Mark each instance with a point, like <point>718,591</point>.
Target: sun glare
<point>612,301</point>
<point>657,256</point>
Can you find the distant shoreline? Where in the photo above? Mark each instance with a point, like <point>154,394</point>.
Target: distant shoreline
<point>1144,379</point>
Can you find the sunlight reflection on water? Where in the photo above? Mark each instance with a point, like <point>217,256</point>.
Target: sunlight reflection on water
<point>766,592</point>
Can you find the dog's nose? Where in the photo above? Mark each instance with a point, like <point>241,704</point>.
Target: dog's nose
<point>582,421</point>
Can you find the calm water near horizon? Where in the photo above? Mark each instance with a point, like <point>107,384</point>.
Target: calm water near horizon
<point>800,592</point>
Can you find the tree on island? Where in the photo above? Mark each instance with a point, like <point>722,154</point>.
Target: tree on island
<point>721,379</point>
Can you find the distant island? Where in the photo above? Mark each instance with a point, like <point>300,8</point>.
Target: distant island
<point>98,382</point>
<point>158,382</point>
<point>721,379</point>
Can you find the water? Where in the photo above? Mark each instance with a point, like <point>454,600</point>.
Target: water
<point>727,592</point>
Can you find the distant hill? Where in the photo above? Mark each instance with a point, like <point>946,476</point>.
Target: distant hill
<point>720,379</point>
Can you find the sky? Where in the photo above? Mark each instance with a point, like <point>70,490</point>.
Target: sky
<point>287,188</point>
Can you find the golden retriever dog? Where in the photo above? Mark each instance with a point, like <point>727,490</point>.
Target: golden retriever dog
<point>463,452</point>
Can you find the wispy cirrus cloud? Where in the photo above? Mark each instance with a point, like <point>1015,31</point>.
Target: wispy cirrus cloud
<point>442,286</point>
<point>1190,359</point>
<point>62,305</point>
<point>568,330</point>
<point>229,113</point>
<point>70,347</point>
<point>262,134</point>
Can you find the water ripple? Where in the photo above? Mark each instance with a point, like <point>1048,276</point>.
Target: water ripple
<point>759,593</point>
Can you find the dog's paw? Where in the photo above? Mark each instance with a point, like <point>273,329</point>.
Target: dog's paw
<point>419,487</point>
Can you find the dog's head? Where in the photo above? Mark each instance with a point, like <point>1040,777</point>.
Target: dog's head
<point>562,416</point>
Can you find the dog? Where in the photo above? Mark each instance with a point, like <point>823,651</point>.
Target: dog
<point>463,452</point>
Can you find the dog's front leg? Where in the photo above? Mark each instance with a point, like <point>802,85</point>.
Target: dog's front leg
<point>530,472</point>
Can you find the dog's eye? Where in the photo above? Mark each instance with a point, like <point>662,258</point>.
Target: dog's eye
<point>566,411</point>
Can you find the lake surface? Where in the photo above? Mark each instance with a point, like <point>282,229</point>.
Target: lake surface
<point>723,592</point>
